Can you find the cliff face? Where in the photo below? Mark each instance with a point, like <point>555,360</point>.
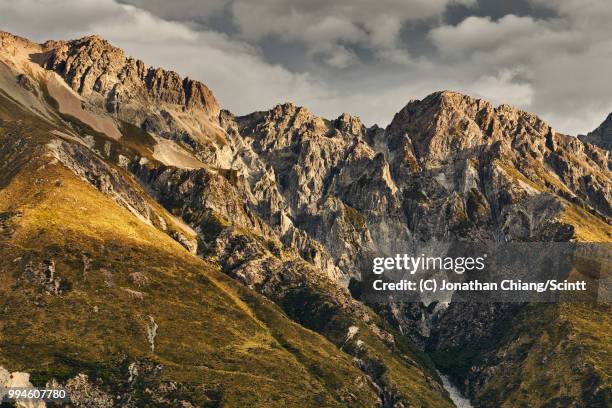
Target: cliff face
<point>294,207</point>
<point>447,166</point>
<point>95,69</point>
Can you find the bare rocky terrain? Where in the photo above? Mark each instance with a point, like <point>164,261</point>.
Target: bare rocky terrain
<point>602,136</point>
<point>271,218</point>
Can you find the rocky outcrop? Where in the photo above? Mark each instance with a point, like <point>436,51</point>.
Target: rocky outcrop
<point>134,383</point>
<point>602,136</point>
<point>8,221</point>
<point>95,69</point>
<point>111,84</point>
<point>448,165</point>
<point>17,380</point>
<point>43,275</point>
<point>151,332</point>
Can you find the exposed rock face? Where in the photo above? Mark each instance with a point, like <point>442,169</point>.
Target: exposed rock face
<point>159,101</point>
<point>83,393</point>
<point>446,166</point>
<point>96,69</point>
<point>485,162</point>
<point>151,332</point>
<point>602,136</point>
<point>17,380</point>
<point>44,276</point>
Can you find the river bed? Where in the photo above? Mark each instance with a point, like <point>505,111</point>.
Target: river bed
<point>456,396</point>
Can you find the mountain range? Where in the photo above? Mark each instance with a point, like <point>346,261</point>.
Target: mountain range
<point>157,250</point>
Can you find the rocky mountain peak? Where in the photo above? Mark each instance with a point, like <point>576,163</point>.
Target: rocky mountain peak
<point>349,124</point>
<point>602,136</point>
<point>7,39</point>
<point>288,108</point>
<point>283,122</point>
<point>446,122</point>
<point>94,67</point>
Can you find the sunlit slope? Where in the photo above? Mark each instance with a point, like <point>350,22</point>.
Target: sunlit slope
<point>88,288</point>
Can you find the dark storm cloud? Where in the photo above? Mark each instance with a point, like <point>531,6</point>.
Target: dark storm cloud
<point>551,57</point>
<point>496,9</point>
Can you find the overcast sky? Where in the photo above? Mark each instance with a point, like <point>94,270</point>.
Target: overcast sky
<point>368,58</point>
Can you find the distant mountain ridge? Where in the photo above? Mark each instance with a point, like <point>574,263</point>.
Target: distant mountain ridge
<point>602,136</point>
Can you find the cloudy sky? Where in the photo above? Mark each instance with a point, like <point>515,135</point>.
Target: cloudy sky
<point>369,58</point>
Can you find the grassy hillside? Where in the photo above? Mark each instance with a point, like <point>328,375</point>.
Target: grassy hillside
<point>113,276</point>
<point>542,355</point>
